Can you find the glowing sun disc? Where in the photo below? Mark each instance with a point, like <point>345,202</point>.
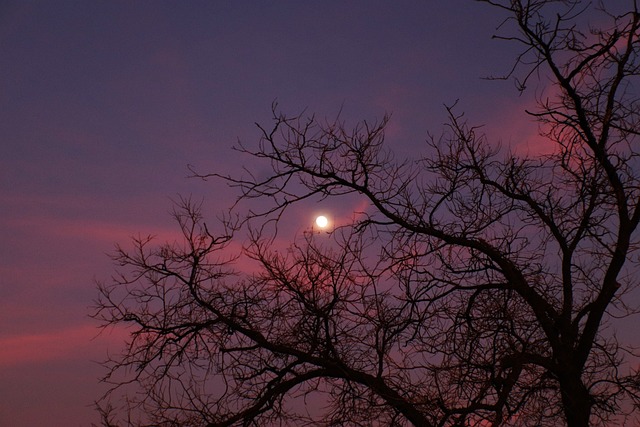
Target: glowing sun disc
<point>322,221</point>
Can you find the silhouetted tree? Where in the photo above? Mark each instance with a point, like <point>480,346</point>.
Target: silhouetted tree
<point>478,289</point>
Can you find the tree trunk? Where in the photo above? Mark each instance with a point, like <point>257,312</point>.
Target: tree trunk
<point>576,401</point>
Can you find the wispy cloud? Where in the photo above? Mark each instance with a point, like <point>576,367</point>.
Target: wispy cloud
<point>78,343</point>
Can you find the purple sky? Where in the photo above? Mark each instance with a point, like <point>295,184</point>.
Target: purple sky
<point>105,103</point>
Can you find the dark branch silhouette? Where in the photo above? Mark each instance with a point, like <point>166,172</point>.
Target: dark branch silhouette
<point>479,289</point>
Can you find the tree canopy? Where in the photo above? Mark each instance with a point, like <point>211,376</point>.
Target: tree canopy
<point>477,289</point>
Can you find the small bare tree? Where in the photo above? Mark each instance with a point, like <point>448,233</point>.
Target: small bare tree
<point>479,289</point>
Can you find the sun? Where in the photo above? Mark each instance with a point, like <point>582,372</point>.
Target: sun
<point>322,221</point>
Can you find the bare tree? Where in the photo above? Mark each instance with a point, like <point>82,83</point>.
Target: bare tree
<point>480,288</point>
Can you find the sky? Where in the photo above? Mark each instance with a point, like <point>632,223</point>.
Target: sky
<point>104,104</point>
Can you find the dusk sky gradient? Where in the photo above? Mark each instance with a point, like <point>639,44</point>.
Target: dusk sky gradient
<point>104,104</point>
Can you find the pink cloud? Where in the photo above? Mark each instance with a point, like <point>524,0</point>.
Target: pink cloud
<point>95,230</point>
<point>81,342</point>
